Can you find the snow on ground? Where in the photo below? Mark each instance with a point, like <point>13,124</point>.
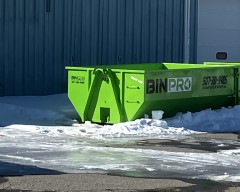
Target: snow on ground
<point>223,120</point>
<point>56,110</point>
<point>41,131</point>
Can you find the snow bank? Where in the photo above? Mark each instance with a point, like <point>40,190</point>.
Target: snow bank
<point>56,110</point>
<point>142,127</point>
<point>222,120</point>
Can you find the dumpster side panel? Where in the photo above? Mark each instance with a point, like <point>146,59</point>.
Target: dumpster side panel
<point>188,90</point>
<point>236,68</point>
<point>188,83</point>
<point>133,93</point>
<point>214,82</point>
<point>78,89</point>
<point>174,106</point>
<point>106,106</point>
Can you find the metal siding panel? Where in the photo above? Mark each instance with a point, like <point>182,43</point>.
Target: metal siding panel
<point>67,26</point>
<point>36,47</point>
<point>52,32</point>
<point>72,29</point>
<point>36,61</point>
<point>181,34</point>
<point>85,40</point>
<point>100,33</point>
<point>65,11</point>
<point>168,31</point>
<point>2,15</point>
<point>77,32</point>
<point>112,51</point>
<point>49,78</point>
<point>129,30</point>
<point>63,46</point>
<point>176,27</point>
<point>46,69</point>
<point>36,44</point>
<point>145,31</point>
<point>26,49</point>
<point>64,57</point>
<point>179,57</point>
<point>193,31</point>
<point>5,48</point>
<point>105,33</point>
<point>11,50</point>
<point>153,30</point>
<point>121,30</point>
<point>95,30</point>
<point>8,40</point>
<point>137,42</point>
<point>161,17</point>
<point>58,45</point>
<point>68,5</point>
<point>31,55</point>
<point>19,31</point>
<point>41,50</point>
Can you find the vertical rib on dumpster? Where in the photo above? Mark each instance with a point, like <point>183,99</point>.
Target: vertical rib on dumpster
<point>93,94</point>
<point>117,93</point>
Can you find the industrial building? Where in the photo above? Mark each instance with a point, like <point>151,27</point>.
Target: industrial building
<point>38,38</point>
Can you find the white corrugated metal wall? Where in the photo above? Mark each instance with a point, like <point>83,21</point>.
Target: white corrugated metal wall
<point>219,31</point>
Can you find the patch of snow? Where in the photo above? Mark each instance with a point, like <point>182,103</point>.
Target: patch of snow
<point>235,152</point>
<point>140,128</point>
<point>224,177</point>
<point>222,120</point>
<point>157,114</point>
<point>56,110</point>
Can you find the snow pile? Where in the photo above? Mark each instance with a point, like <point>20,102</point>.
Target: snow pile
<point>56,110</point>
<point>225,177</point>
<point>141,127</point>
<point>222,120</point>
<point>235,152</point>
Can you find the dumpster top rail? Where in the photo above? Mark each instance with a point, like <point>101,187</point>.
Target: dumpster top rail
<point>157,66</point>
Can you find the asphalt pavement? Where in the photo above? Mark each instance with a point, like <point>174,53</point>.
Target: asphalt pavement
<point>30,178</point>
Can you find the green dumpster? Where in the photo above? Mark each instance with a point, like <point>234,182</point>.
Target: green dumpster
<point>119,93</point>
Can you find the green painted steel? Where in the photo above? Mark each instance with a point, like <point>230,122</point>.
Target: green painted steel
<point>112,94</point>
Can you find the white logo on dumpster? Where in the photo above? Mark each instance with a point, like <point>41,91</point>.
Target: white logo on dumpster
<point>179,84</point>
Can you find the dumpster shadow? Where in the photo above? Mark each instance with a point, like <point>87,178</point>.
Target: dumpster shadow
<point>14,169</point>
